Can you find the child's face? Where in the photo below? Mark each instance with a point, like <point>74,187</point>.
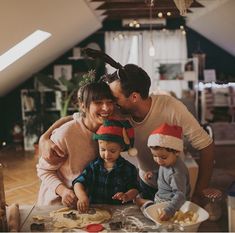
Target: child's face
<point>109,151</point>
<point>164,157</point>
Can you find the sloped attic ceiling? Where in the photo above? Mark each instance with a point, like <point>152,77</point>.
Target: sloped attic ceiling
<point>215,22</point>
<point>69,22</point>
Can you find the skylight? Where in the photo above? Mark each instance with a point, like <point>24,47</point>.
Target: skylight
<point>22,48</point>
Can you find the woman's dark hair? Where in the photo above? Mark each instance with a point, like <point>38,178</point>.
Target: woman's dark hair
<point>94,91</point>
<point>132,77</point>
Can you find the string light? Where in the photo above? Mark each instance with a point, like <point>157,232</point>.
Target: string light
<point>134,24</point>
<point>168,13</point>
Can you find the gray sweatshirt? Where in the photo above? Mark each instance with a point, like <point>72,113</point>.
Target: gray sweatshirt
<point>173,186</point>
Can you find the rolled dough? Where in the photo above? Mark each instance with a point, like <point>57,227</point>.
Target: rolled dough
<point>82,219</point>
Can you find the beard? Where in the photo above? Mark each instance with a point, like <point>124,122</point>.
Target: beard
<point>119,111</point>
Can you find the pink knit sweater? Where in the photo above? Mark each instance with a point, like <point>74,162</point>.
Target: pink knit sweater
<point>75,140</point>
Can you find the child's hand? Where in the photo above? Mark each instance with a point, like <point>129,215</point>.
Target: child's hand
<point>121,197</point>
<point>68,197</point>
<point>164,216</point>
<point>148,175</point>
<point>83,204</point>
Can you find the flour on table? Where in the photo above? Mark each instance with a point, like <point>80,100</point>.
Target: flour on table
<point>81,220</point>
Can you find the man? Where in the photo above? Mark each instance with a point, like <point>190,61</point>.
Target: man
<point>130,85</point>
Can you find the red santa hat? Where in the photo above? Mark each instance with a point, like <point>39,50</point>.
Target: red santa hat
<point>168,136</point>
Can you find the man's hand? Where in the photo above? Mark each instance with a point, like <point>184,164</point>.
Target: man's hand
<point>68,197</point>
<point>148,175</point>
<point>50,151</point>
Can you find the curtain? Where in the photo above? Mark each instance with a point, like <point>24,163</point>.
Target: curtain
<point>170,47</point>
<point>118,45</point>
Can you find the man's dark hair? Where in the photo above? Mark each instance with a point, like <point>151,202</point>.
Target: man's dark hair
<point>132,77</point>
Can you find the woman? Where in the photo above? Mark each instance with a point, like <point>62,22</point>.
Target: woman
<point>74,139</point>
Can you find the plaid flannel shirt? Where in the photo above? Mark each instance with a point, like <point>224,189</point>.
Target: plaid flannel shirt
<point>101,184</point>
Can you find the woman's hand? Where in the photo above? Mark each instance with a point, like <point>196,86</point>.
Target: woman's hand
<point>148,176</point>
<point>68,197</point>
<point>83,203</point>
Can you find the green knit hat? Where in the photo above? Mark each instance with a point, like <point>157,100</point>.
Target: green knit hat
<point>119,131</point>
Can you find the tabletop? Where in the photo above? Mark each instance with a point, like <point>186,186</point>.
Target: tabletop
<point>129,215</point>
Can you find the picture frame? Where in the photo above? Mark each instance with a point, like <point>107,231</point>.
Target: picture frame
<point>170,71</point>
<point>189,73</point>
<point>209,75</point>
<point>63,71</point>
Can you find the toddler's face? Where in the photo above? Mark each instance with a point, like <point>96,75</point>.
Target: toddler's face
<point>164,157</point>
<point>109,151</point>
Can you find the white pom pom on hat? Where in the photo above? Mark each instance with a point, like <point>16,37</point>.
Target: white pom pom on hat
<point>132,151</point>
<point>167,136</point>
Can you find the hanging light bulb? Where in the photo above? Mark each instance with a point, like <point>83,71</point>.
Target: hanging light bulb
<point>160,14</point>
<point>151,48</point>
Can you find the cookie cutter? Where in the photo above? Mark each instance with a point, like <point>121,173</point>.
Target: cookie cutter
<point>70,215</point>
<point>37,227</point>
<point>115,226</point>
<point>91,211</point>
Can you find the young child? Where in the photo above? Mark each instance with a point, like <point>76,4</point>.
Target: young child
<point>166,144</point>
<point>109,179</point>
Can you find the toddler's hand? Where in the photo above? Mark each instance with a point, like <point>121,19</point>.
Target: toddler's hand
<point>164,216</point>
<point>148,175</point>
<point>83,204</point>
<point>68,197</point>
<point>121,197</point>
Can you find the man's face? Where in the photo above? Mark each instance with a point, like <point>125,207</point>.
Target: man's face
<point>124,103</point>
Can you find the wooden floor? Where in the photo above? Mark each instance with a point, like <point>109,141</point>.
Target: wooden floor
<point>20,179</point>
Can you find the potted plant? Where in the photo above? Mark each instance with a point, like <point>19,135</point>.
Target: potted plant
<point>162,71</point>
<point>67,87</point>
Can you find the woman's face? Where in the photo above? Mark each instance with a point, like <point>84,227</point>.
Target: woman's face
<point>98,111</point>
